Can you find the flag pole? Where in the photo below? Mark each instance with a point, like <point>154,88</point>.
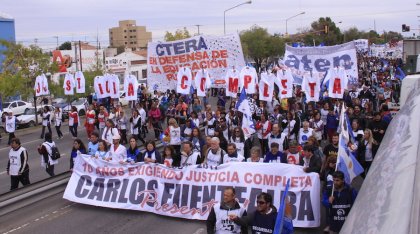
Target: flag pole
<point>338,156</point>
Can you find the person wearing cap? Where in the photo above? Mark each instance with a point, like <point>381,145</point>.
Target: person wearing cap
<point>118,152</point>
<point>10,126</point>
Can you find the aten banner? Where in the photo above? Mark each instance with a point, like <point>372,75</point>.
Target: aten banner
<point>191,192</point>
<point>320,59</point>
<point>215,54</point>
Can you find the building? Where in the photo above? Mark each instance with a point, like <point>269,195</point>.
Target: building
<point>129,61</point>
<point>7,32</point>
<point>85,58</point>
<point>129,35</point>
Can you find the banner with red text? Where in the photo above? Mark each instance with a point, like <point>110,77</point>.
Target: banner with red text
<point>191,192</point>
<point>216,54</point>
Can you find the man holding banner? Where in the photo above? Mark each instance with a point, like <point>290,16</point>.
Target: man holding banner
<point>220,217</point>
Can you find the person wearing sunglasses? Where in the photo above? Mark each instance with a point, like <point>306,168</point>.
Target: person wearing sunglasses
<point>263,219</point>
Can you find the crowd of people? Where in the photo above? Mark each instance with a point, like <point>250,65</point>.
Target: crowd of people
<point>193,131</point>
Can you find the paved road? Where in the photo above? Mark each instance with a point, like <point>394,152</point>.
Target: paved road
<point>56,215</point>
<point>30,140</point>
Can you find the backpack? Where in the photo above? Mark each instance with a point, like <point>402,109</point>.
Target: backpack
<point>55,154</point>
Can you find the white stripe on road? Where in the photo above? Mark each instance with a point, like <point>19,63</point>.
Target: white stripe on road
<point>27,142</point>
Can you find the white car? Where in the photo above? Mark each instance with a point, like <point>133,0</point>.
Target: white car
<point>17,107</point>
<point>123,101</point>
<point>80,104</point>
<point>28,117</point>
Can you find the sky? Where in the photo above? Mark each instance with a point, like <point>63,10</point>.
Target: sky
<point>45,20</point>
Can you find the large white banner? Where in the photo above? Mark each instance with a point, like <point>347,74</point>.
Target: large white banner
<point>192,191</point>
<point>391,50</point>
<point>320,59</point>
<point>362,45</point>
<point>216,54</point>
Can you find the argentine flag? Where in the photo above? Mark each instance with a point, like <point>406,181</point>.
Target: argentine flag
<point>243,106</point>
<point>346,160</point>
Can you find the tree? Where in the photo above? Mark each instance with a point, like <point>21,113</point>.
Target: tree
<point>260,46</point>
<point>178,35</point>
<point>20,68</point>
<point>333,37</point>
<point>65,46</point>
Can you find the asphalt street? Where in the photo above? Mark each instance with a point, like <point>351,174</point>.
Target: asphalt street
<point>57,215</point>
<point>30,139</point>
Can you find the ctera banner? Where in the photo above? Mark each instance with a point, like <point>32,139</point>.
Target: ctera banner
<point>320,59</point>
<point>215,54</point>
<point>192,191</point>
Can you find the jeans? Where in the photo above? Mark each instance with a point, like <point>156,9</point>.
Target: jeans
<point>73,129</point>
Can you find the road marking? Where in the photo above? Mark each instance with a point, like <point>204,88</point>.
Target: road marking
<point>27,142</point>
<point>3,172</point>
<point>61,211</point>
<point>200,231</point>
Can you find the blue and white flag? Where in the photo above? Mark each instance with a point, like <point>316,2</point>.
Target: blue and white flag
<point>284,225</point>
<point>243,106</point>
<point>346,160</point>
<point>399,73</point>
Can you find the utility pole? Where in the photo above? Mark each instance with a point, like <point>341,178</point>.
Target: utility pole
<point>374,25</point>
<point>80,50</point>
<point>56,37</point>
<point>36,41</point>
<point>76,57</point>
<point>198,28</point>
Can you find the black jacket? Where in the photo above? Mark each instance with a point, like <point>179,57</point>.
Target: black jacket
<point>315,164</point>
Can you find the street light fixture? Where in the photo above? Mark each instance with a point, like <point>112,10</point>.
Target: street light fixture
<point>292,18</point>
<point>224,13</point>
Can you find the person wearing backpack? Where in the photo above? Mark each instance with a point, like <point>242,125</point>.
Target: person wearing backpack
<point>46,152</point>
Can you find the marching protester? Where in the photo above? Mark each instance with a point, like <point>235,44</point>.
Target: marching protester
<point>221,217</point>
<point>103,152</point>
<point>10,125</point>
<point>118,152</point>
<point>233,155</point>
<point>133,151</point>
<point>109,131</point>
<point>46,151</point>
<point>58,119</point>
<point>151,155</point>
<point>17,166</point>
<point>215,154</point>
<point>93,144</point>
<point>73,121</point>
<point>78,148</point>
<point>46,121</point>
<point>188,156</point>
<point>90,120</point>
<point>339,201</point>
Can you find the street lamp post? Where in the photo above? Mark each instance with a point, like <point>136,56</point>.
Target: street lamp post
<point>224,13</point>
<point>292,18</point>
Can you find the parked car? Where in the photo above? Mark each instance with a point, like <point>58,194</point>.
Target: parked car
<point>123,101</point>
<point>28,117</point>
<point>17,107</point>
<point>61,103</point>
<point>80,104</point>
